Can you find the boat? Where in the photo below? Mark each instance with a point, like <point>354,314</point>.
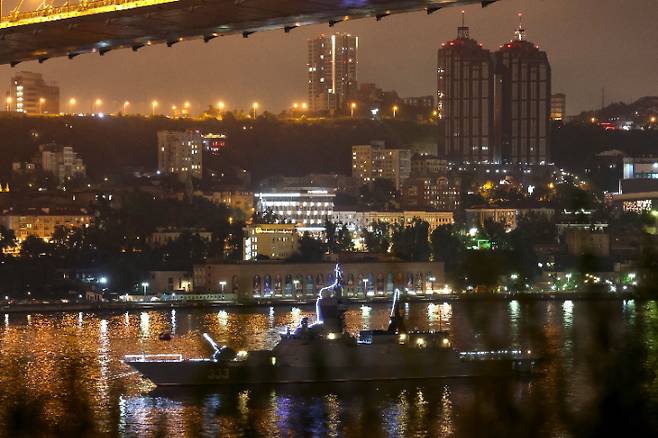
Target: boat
<point>324,352</point>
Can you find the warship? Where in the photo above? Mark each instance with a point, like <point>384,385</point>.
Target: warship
<point>324,352</point>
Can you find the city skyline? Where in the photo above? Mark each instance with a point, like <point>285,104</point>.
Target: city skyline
<point>187,72</point>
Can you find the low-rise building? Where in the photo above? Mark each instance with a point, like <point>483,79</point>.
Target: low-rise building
<point>307,206</point>
<point>430,193</point>
<point>42,222</point>
<point>477,217</point>
<point>163,236</point>
<point>587,242</point>
<point>357,220</point>
<point>253,281</point>
<point>270,241</point>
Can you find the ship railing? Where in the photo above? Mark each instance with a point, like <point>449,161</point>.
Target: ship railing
<point>480,355</point>
<point>153,358</point>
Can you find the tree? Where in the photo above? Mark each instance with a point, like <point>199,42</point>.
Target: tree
<point>411,242</point>
<point>345,240</point>
<point>377,238</point>
<point>309,249</point>
<point>331,235</point>
<point>33,247</point>
<point>7,238</point>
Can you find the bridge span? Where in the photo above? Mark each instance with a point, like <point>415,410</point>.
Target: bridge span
<point>99,26</point>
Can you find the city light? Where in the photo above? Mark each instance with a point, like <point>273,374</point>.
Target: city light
<point>154,106</point>
<point>96,106</point>
<point>220,105</point>
<point>352,108</point>
<point>126,104</point>
<point>395,110</point>
<point>9,101</point>
<point>254,106</point>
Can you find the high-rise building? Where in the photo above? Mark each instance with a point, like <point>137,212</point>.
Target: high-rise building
<point>465,100</point>
<point>524,80</point>
<point>558,107</point>
<point>30,94</point>
<point>332,72</point>
<point>63,162</point>
<point>180,153</point>
<point>373,161</point>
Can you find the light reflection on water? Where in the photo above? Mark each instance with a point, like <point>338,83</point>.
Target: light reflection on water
<point>66,366</point>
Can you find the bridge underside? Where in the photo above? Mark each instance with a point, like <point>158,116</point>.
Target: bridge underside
<point>172,21</point>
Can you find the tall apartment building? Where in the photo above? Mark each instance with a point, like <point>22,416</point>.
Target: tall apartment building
<point>373,161</point>
<point>558,106</point>
<point>180,153</point>
<point>30,94</point>
<point>332,72</point>
<point>465,100</point>
<point>62,161</point>
<point>525,101</point>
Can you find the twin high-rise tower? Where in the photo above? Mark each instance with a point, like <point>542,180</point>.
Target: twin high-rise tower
<point>493,107</point>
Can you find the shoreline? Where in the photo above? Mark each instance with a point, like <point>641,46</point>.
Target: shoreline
<point>166,305</point>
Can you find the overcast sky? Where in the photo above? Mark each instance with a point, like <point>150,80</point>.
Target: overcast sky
<point>591,44</point>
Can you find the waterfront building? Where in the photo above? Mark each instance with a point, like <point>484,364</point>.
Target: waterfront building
<point>332,72</point>
<point>42,222</point>
<point>272,280</point>
<point>270,241</point>
<point>307,207</point>
<point>170,282</point>
<point>523,102</point>
<point>29,93</point>
<point>465,100</point>
<point>180,153</point>
<point>373,161</point>
<point>358,220</point>
<point>558,107</point>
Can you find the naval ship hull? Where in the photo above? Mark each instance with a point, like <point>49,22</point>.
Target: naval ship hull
<point>421,364</point>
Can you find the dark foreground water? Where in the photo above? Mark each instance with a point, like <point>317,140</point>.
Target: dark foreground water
<point>62,375</point>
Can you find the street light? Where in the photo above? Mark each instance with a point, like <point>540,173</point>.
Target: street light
<point>220,105</point>
<point>395,110</point>
<point>304,106</point>
<point>255,107</point>
<point>72,103</point>
<point>96,106</point>
<point>145,285</point>
<point>41,102</point>
<point>365,286</point>
<point>352,108</point>
<point>9,100</point>
<point>154,105</point>
<point>173,110</point>
<point>126,104</point>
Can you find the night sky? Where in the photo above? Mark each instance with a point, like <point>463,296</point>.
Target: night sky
<point>591,44</point>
